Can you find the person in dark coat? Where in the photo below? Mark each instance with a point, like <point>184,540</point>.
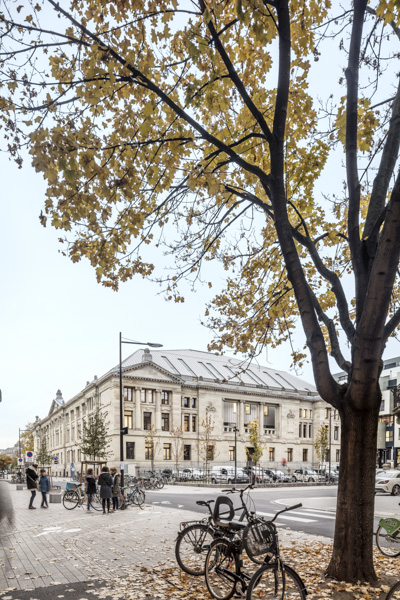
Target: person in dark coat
<point>105,482</point>
<point>31,483</point>
<point>91,488</point>
<point>44,485</point>
<point>116,488</point>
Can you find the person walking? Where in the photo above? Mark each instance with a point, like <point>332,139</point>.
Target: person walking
<point>31,483</point>
<point>90,487</point>
<point>116,488</point>
<point>44,486</point>
<point>105,482</point>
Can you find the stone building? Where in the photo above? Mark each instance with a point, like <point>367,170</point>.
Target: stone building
<point>169,389</point>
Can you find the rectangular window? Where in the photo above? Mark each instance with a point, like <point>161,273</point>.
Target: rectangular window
<point>389,435</point>
<point>336,433</point>
<point>310,430</point>
<point>167,452</point>
<point>194,402</point>
<point>271,454</point>
<point>193,422</point>
<point>128,419</point>
<point>290,454</point>
<point>130,450</point>
<point>300,429</point>
<point>269,417</point>
<point>247,409</point>
<point>164,397</point>
<point>148,450</point>
<point>304,429</point>
<point>230,415</point>
<point>337,455</point>
<point>186,423</point>
<point>186,402</point>
<point>128,394</point>
<point>305,455</point>
<point>310,413</point>
<point>327,411</point>
<point>147,421</point>
<point>187,452</point>
<point>231,452</point>
<point>382,407</point>
<point>164,421</point>
<point>300,413</point>
<point>210,452</point>
<point>251,414</point>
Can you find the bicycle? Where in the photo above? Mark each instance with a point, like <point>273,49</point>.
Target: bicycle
<point>272,581</point>
<point>75,497</point>
<point>394,592</point>
<point>195,537</point>
<point>134,495</point>
<point>388,537</point>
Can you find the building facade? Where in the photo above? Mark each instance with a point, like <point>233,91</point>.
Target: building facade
<point>174,394</point>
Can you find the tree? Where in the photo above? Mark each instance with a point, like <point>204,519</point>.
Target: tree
<point>157,122</point>
<point>177,446</point>
<point>207,442</point>
<point>26,439</point>
<point>257,447</point>
<point>152,441</point>
<point>5,462</point>
<point>95,439</point>
<point>321,443</point>
<point>43,457</point>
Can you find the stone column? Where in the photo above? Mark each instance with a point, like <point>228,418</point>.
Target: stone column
<point>240,417</point>
<point>138,412</point>
<point>158,411</point>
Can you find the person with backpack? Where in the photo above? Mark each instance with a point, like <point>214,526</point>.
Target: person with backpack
<point>44,486</point>
<point>91,488</point>
<point>105,482</point>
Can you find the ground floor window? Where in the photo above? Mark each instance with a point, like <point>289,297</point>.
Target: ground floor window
<point>167,452</point>
<point>290,454</point>
<point>210,452</point>
<point>187,452</point>
<point>231,452</point>
<point>271,454</point>
<point>305,455</point>
<point>130,450</point>
<point>148,450</point>
<point>337,455</point>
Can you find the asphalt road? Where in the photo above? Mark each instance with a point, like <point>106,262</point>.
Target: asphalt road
<point>317,515</point>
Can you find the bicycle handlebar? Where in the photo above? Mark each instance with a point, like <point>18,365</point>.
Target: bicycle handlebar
<point>286,510</point>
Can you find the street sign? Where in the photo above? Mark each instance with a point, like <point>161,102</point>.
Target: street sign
<point>29,456</point>
<point>56,460</point>
<point>20,461</point>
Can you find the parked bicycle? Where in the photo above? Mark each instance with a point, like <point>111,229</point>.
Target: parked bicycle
<point>195,537</point>
<point>133,495</point>
<point>394,592</point>
<point>273,580</point>
<point>388,536</point>
<point>74,497</point>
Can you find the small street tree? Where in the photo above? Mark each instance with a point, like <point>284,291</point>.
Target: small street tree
<point>5,462</point>
<point>321,443</point>
<point>26,439</point>
<point>43,457</point>
<point>152,442</point>
<point>95,438</point>
<point>207,442</point>
<point>257,447</point>
<point>177,446</point>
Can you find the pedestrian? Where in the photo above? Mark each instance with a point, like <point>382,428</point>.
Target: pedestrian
<point>116,488</point>
<point>105,482</point>
<point>91,488</point>
<point>44,485</point>
<point>31,483</point>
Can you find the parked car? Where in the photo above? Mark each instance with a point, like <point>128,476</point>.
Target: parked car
<point>275,475</point>
<point>227,475</point>
<point>305,475</point>
<point>388,482</point>
<point>257,474</point>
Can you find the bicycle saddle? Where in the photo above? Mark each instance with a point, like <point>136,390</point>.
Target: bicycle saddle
<point>204,502</point>
<point>233,525</point>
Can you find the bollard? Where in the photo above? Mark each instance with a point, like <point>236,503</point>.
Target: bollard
<point>55,498</point>
<point>20,486</point>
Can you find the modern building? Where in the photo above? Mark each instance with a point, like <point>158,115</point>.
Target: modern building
<point>168,391</point>
<point>389,414</point>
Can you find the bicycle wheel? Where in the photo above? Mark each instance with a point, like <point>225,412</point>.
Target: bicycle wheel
<point>220,567</point>
<point>96,502</point>
<point>267,584</point>
<point>138,497</point>
<point>70,499</point>
<point>389,545</point>
<point>191,548</point>
<point>394,592</point>
<point>159,484</point>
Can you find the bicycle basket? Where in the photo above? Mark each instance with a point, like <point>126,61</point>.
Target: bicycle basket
<point>259,538</point>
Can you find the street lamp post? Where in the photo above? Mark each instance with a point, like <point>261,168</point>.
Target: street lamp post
<point>235,429</point>
<point>121,404</point>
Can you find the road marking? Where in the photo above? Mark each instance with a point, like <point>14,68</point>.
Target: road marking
<point>71,530</point>
<point>287,518</point>
<point>311,513</point>
<point>165,502</point>
<point>154,502</point>
<point>181,506</point>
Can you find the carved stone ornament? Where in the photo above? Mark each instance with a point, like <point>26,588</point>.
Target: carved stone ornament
<point>210,408</point>
<point>290,415</point>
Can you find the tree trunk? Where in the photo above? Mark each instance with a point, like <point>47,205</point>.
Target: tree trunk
<point>352,558</point>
